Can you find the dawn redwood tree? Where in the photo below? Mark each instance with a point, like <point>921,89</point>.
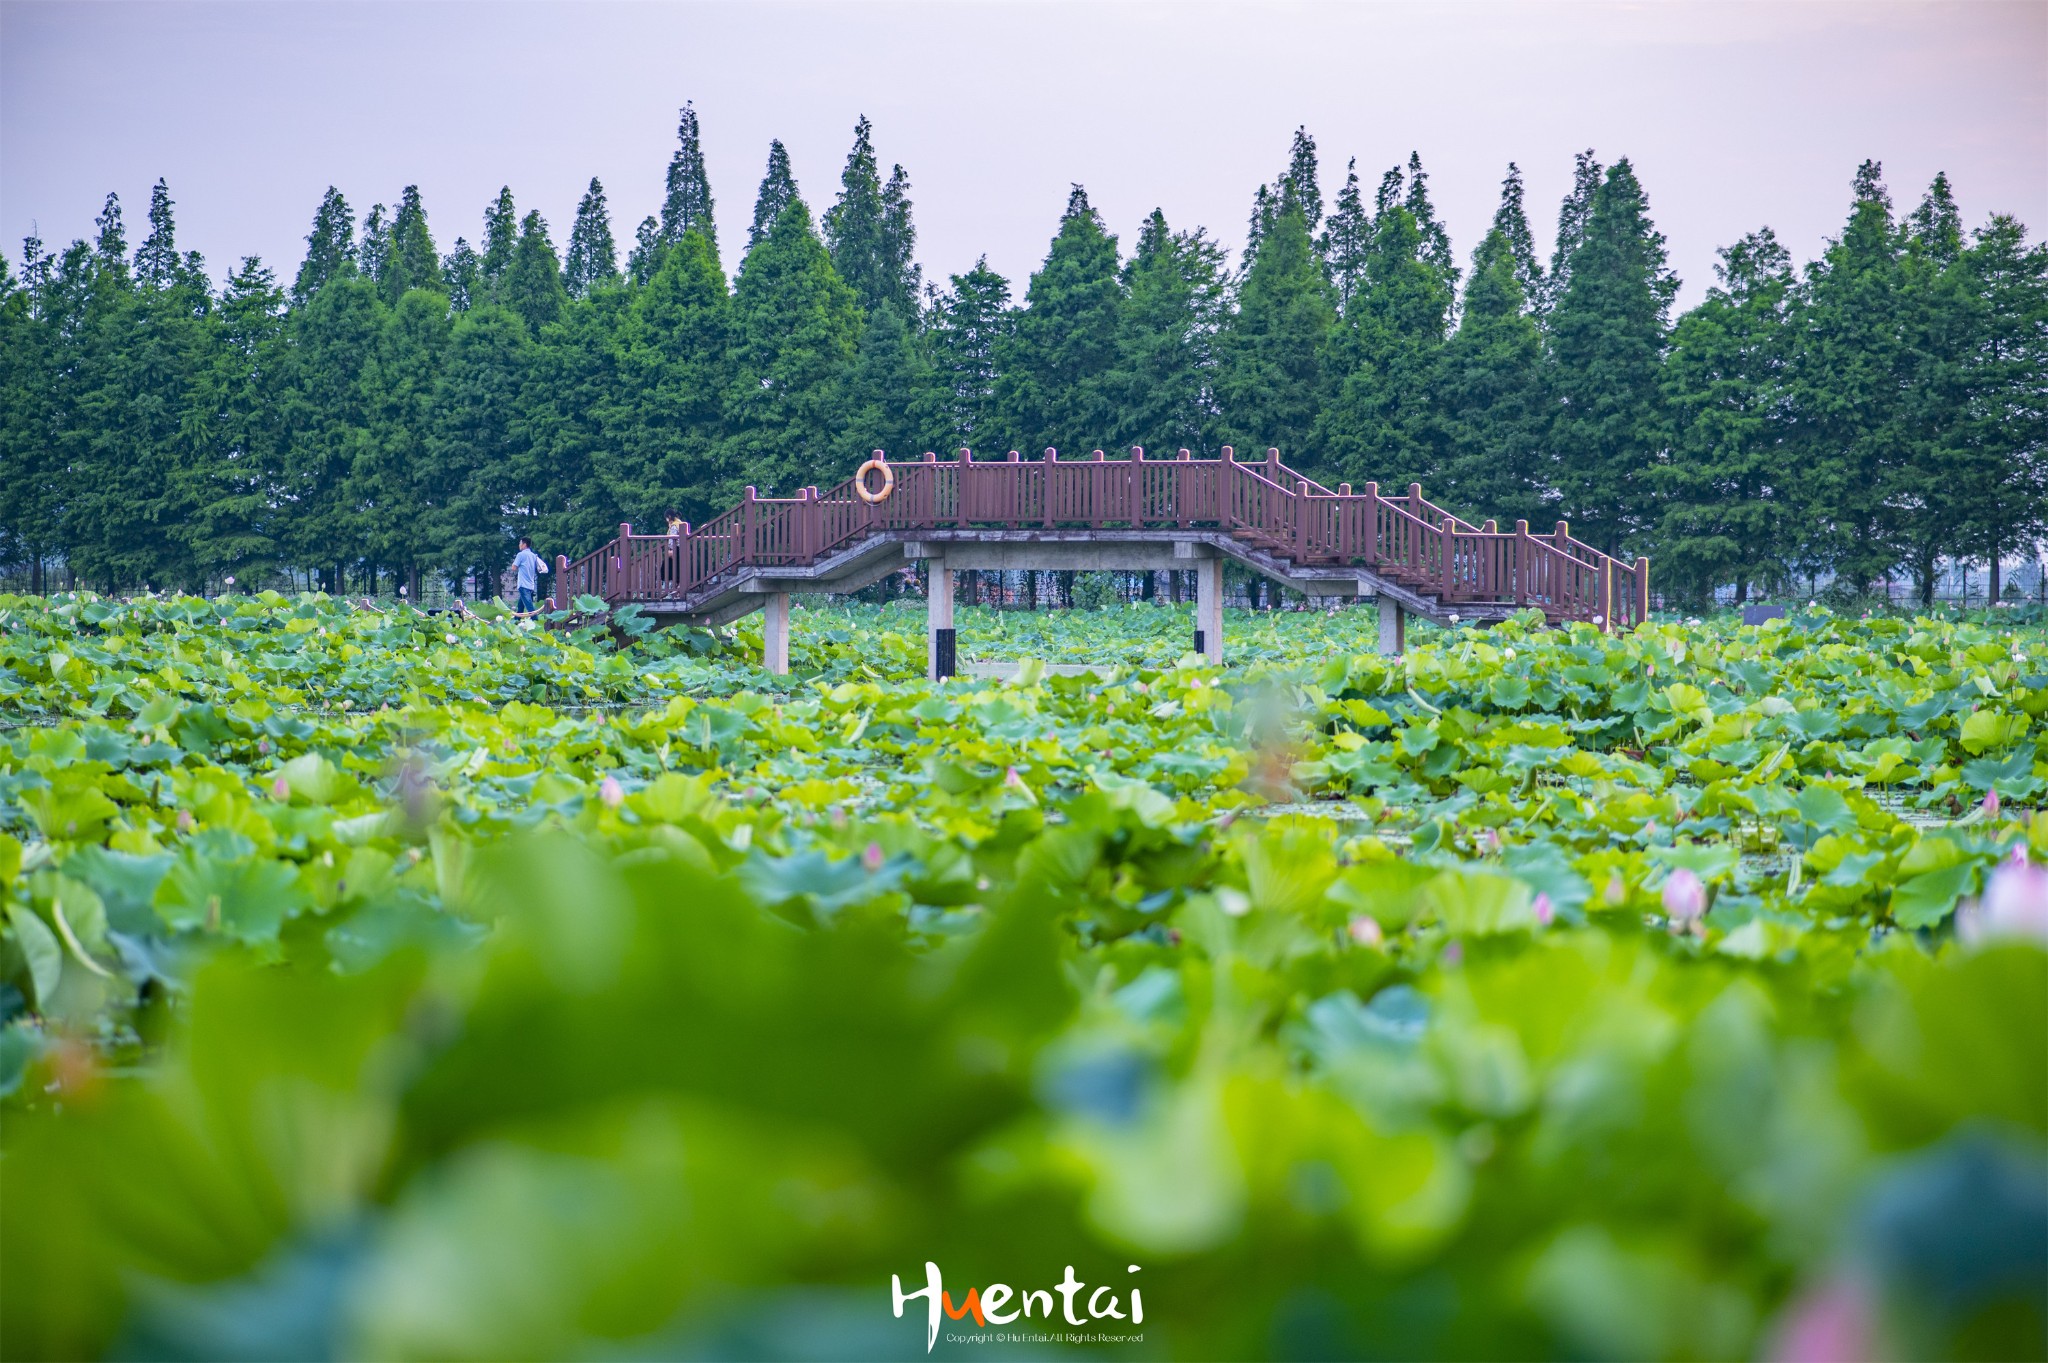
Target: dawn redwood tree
<point>1493,399</point>
<point>869,231</point>
<point>1053,369</point>
<point>477,441</point>
<point>1848,385</point>
<point>330,247</point>
<point>501,236</point>
<point>796,331</point>
<point>234,492</point>
<point>1511,220</point>
<point>969,325</point>
<point>593,260</point>
<point>1271,352</point>
<point>1347,240</point>
<point>330,343</point>
<point>1728,515</point>
<point>410,259</point>
<point>392,493</point>
<point>574,394</point>
<point>1382,419</point>
<point>462,273</point>
<point>1163,383</point>
<point>778,187</point>
<point>1608,333</point>
<point>686,206</point>
<point>662,435</point>
<point>891,401</point>
<point>532,286</point>
<point>1572,215</point>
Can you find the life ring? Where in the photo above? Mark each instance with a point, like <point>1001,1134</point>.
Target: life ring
<point>860,481</point>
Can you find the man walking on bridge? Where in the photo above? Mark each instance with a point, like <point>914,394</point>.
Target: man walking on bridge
<point>527,564</point>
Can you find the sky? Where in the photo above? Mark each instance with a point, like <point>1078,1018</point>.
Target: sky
<point>1735,115</point>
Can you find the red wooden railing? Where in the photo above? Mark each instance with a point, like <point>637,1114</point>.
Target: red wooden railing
<point>1270,506</point>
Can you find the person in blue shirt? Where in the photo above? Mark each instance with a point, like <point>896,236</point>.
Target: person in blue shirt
<point>527,564</point>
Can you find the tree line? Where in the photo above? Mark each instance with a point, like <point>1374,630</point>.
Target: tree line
<point>397,413</point>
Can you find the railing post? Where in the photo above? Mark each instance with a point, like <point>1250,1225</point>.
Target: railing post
<point>966,460</point>
<point>1225,513</point>
<point>1642,589</point>
<point>561,582</point>
<point>686,562</point>
<point>1522,556</point>
<point>624,559</point>
<point>1180,491</point>
<point>1372,523</point>
<point>1096,490</point>
<point>1137,487</point>
<point>747,535</point>
<point>1606,620</point>
<point>1052,457</point>
<point>1450,561</point>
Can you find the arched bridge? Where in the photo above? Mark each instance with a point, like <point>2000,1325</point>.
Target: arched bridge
<point>1097,513</point>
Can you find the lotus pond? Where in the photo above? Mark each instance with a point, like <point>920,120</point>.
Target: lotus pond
<point>377,984</point>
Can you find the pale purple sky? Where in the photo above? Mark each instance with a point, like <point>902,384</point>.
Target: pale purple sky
<point>1734,114</point>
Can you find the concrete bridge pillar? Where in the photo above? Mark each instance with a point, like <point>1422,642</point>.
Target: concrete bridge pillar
<point>1209,608</point>
<point>1393,626</point>
<point>775,633</point>
<point>940,641</point>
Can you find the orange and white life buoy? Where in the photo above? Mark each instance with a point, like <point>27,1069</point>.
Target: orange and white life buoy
<point>860,481</point>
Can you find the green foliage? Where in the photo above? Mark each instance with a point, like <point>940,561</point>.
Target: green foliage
<point>370,995</point>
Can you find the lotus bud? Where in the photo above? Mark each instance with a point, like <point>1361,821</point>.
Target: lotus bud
<point>184,821</point>
<point>1685,899</point>
<point>1011,778</point>
<point>1617,889</point>
<point>1454,954</point>
<point>871,857</point>
<point>1493,841</point>
<point>280,789</point>
<point>1545,914</point>
<point>2015,903</point>
<point>611,792</point>
<point>1991,803</point>
<point>1365,930</point>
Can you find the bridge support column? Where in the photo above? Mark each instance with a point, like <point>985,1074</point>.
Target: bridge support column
<point>775,633</point>
<point>1393,626</point>
<point>939,637</point>
<point>1209,608</point>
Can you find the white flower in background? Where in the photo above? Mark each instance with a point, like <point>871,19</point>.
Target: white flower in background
<point>1365,930</point>
<point>451,638</point>
<point>611,792</point>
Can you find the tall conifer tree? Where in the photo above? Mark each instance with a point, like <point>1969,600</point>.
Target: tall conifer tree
<point>1848,378</point>
<point>156,260</point>
<point>463,273</point>
<point>330,246</point>
<point>869,232</point>
<point>1608,333</point>
<point>1491,393</point>
<point>1270,373</point>
<point>1175,302</point>
<point>687,206</point>
<point>501,236</point>
<point>1054,367</point>
<point>662,447</point>
<point>778,187</point>
<point>532,286</point>
<point>1727,507</point>
<point>373,253</point>
<point>593,260</point>
<point>1511,220</point>
<point>970,327</point>
<point>1571,225</point>
<point>1301,187</point>
<point>1347,239</point>
<point>412,262</point>
<point>797,328</point>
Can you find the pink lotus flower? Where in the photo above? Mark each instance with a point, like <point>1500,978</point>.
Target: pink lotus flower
<point>1834,1322</point>
<point>280,789</point>
<point>1617,889</point>
<point>184,821</point>
<point>872,856</point>
<point>1011,778</point>
<point>1454,954</point>
<point>2015,904</point>
<point>1545,913</point>
<point>1991,803</point>
<point>1685,899</point>
<point>611,792</point>
<point>1365,930</point>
